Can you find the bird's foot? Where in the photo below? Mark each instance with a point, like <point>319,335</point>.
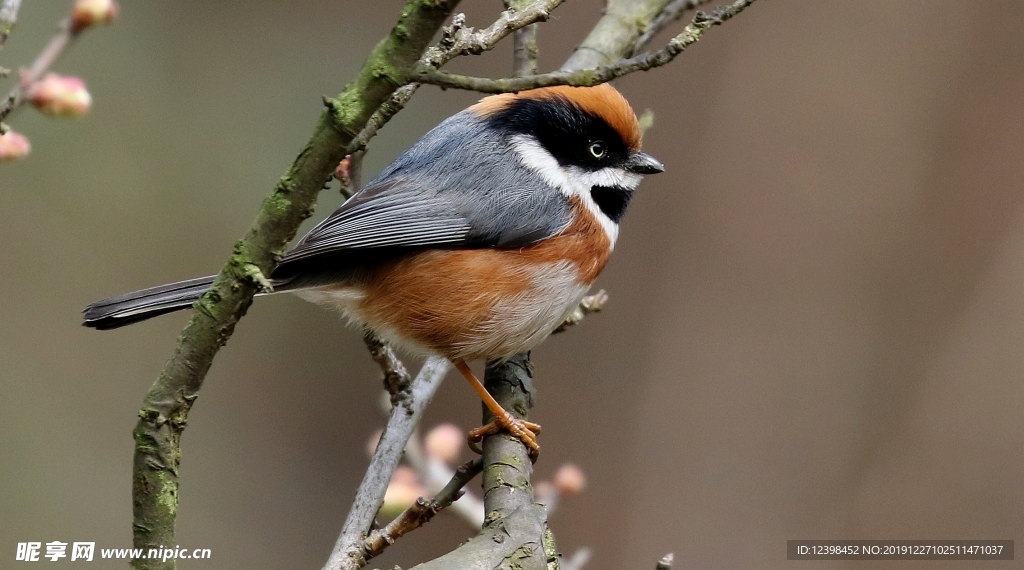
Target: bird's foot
<point>522,430</point>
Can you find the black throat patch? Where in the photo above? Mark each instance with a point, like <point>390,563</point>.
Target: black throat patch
<point>612,200</point>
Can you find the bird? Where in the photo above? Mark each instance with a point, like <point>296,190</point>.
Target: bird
<point>475,243</point>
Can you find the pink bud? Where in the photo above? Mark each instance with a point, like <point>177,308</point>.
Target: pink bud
<point>344,170</point>
<point>14,146</point>
<point>60,96</point>
<point>544,492</point>
<point>402,492</point>
<point>405,475</point>
<point>445,442</point>
<point>88,13</point>
<point>569,480</point>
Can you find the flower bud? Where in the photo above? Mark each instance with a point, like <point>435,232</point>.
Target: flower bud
<point>343,171</point>
<point>13,146</point>
<point>569,480</point>
<point>60,96</point>
<point>444,443</point>
<point>88,13</point>
<point>402,492</point>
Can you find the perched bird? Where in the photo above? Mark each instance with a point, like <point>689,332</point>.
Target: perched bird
<point>477,242</point>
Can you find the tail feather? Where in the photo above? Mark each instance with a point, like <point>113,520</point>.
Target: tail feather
<point>141,305</point>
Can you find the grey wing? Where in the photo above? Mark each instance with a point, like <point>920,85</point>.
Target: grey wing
<point>461,185</point>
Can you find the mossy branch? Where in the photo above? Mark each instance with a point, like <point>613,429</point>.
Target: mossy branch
<point>165,409</point>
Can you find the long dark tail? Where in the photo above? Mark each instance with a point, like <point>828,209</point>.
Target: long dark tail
<point>141,305</point>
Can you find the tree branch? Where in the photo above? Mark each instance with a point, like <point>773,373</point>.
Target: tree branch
<point>586,77</point>
<point>514,527</point>
<point>434,474</point>
<point>457,40</point>
<point>672,12</point>
<point>165,409</point>
<point>422,511</point>
<point>615,35</point>
<point>524,46</point>
<point>348,550</point>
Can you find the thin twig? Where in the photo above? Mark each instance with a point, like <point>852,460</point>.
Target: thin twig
<point>456,40</point>
<point>405,416</point>
<point>422,511</point>
<point>674,11</point>
<point>66,34</point>
<point>586,77</point>
<point>435,474</point>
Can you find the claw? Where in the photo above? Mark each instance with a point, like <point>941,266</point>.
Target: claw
<point>522,430</point>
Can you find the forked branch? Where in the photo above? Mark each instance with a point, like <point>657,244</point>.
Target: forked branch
<point>586,77</point>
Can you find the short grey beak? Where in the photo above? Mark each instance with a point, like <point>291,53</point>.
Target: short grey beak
<point>643,163</point>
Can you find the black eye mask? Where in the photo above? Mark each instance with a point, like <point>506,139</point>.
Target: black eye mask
<point>564,130</point>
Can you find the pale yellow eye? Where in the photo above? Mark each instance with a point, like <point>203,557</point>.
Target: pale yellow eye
<point>598,149</point>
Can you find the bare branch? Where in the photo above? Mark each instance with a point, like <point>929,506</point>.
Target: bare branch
<point>524,46</point>
<point>435,474</point>
<point>614,37</point>
<point>586,77</point>
<point>422,511</point>
<point>405,416</point>
<point>674,11</point>
<point>456,40</point>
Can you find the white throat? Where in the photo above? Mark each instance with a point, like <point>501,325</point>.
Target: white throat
<point>574,181</point>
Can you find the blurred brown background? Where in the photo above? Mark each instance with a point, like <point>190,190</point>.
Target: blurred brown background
<point>815,324</point>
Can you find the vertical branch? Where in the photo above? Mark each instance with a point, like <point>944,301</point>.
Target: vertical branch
<point>507,465</point>
<point>524,44</point>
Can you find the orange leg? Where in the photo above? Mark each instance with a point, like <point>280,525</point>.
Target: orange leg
<point>503,421</point>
